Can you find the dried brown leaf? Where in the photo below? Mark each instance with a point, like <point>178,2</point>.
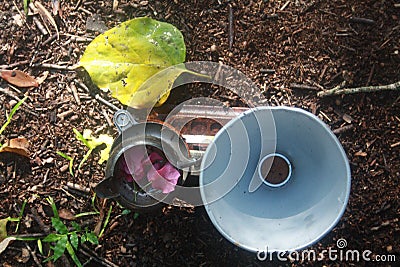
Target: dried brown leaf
<point>24,257</point>
<point>46,14</point>
<point>347,118</point>
<point>18,146</point>
<point>66,215</point>
<point>360,154</point>
<point>18,78</point>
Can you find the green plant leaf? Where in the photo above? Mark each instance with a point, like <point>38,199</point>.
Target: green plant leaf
<point>70,159</point>
<point>80,137</point>
<point>53,206</point>
<point>74,240</point>
<point>3,228</point>
<point>85,158</point>
<point>106,221</point>
<point>76,226</point>
<point>125,212</point>
<point>93,202</point>
<point>12,112</point>
<point>124,57</point>
<point>59,225</point>
<point>72,253</point>
<point>59,248</point>
<point>26,2</point>
<point>92,238</point>
<point>92,142</point>
<point>21,212</point>
<point>52,238</point>
<point>136,215</point>
<point>89,213</point>
<point>83,239</point>
<point>40,246</point>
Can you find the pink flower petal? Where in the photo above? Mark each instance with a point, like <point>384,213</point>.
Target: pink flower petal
<point>153,159</point>
<point>134,157</point>
<point>164,179</point>
<point>169,173</point>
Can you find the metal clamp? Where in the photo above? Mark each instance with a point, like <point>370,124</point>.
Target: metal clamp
<point>123,120</point>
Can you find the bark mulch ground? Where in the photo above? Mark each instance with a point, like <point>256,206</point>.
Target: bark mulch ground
<point>279,45</point>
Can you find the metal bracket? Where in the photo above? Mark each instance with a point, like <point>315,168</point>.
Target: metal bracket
<point>123,120</point>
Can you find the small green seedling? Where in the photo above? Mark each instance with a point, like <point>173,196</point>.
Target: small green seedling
<point>65,239</point>
<point>106,221</point>
<point>26,3</point>
<point>92,142</point>
<point>4,238</point>
<point>20,215</point>
<point>70,159</point>
<point>18,219</point>
<point>9,117</point>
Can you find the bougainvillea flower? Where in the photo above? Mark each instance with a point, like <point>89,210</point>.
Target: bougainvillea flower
<point>134,158</point>
<point>164,179</point>
<point>137,164</point>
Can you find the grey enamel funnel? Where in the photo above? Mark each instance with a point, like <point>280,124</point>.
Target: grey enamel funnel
<point>290,179</point>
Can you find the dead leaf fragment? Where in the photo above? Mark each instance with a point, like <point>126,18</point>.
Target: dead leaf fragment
<point>18,78</point>
<point>42,77</point>
<point>66,215</point>
<point>5,242</point>
<point>360,154</point>
<point>347,118</point>
<point>24,257</point>
<point>18,146</point>
<point>46,15</point>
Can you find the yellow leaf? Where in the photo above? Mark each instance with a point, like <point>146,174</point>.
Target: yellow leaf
<point>94,142</point>
<point>123,58</point>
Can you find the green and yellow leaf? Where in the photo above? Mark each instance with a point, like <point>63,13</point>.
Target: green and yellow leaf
<point>123,58</point>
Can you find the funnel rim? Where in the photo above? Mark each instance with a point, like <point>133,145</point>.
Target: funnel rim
<point>341,156</point>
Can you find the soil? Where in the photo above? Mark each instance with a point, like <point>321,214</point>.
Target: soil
<point>275,170</point>
<point>279,45</point>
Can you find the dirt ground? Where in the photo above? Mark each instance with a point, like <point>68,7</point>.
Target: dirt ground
<point>279,45</point>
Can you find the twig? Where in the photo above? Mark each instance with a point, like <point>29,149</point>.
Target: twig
<point>75,93</point>
<point>22,15</point>
<point>230,30</point>
<point>91,253</point>
<point>370,74</point>
<point>322,73</point>
<point>50,39</point>
<point>97,96</point>
<point>13,65</point>
<point>78,187</point>
<point>303,87</point>
<point>395,144</point>
<point>40,222</point>
<point>33,255</point>
<point>285,5</point>
<point>65,114</point>
<point>7,92</point>
<point>104,112</point>
<point>362,20</point>
<point>44,13</point>
<point>325,116</point>
<point>54,66</point>
<point>342,129</point>
<point>272,16</point>
<point>267,71</point>
<point>40,26</point>
<point>366,89</point>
